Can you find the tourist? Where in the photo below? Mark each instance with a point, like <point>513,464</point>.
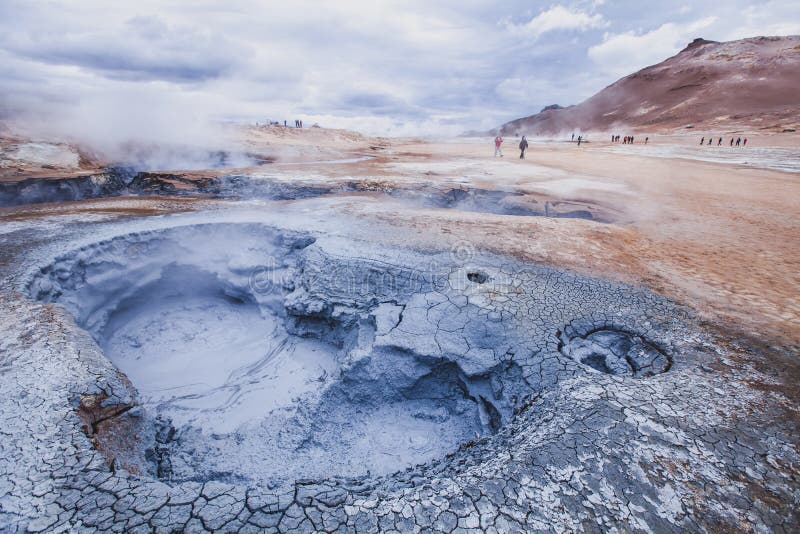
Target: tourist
<point>738,141</point>
<point>731,141</point>
<point>720,142</point>
<point>497,148</point>
<point>523,146</point>
<point>580,138</point>
<point>646,139</point>
<point>573,137</point>
<point>744,143</point>
<point>702,141</point>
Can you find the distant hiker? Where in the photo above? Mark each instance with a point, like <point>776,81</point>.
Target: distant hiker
<point>744,143</point>
<point>710,140</point>
<point>284,124</point>
<point>497,148</point>
<point>631,140</point>
<point>731,141</point>
<point>573,137</point>
<point>580,138</point>
<point>702,141</point>
<point>720,142</point>
<point>523,146</point>
<point>738,141</point>
<point>646,139</point>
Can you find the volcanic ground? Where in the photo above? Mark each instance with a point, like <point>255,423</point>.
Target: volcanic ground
<point>395,338</point>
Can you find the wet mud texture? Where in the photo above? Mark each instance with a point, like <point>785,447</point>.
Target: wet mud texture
<point>125,181</point>
<point>667,435</point>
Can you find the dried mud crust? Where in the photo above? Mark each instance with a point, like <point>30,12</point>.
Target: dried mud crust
<point>694,448</point>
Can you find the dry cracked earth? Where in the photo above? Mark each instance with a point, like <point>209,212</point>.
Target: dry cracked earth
<point>150,378</point>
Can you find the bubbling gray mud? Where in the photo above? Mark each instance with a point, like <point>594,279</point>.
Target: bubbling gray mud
<point>258,380</point>
<point>457,197</point>
<point>391,357</point>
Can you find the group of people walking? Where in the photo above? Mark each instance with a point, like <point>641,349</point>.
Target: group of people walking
<point>498,147</point>
<point>739,141</point>
<point>627,140</point>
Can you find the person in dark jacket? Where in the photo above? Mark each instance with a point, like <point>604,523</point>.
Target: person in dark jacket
<point>523,146</point>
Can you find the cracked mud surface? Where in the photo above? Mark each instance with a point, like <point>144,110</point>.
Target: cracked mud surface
<point>671,436</point>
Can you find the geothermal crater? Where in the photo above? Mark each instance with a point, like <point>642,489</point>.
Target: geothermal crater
<point>287,374</point>
<point>255,378</point>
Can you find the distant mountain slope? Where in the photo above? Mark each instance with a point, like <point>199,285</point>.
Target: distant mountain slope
<point>752,82</point>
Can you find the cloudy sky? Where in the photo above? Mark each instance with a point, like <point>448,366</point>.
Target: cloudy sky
<point>408,67</point>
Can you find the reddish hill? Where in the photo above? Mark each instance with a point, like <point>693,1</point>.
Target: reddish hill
<point>752,83</point>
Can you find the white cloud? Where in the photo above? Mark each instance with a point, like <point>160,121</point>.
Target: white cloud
<point>558,17</point>
<point>114,71</point>
<point>624,53</point>
<point>771,18</point>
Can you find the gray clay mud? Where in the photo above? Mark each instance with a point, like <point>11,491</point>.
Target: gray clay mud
<point>126,181</point>
<point>460,197</point>
<point>214,327</point>
<point>243,377</point>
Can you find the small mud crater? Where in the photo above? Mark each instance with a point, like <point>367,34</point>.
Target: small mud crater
<point>477,277</point>
<point>616,352</point>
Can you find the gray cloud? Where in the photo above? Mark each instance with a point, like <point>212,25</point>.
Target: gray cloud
<point>111,71</point>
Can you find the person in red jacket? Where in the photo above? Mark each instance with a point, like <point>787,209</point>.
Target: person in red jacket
<point>498,141</point>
